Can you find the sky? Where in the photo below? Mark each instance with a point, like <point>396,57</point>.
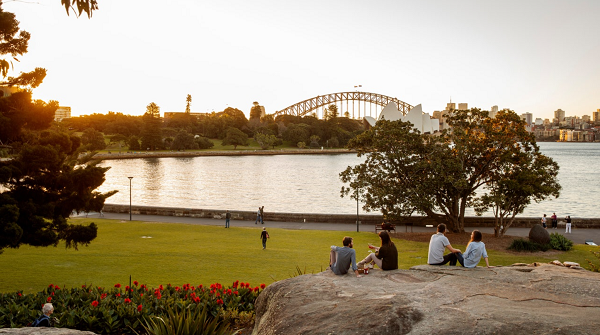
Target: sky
<point>529,56</point>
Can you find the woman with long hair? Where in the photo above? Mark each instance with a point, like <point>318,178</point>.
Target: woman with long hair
<point>385,256</point>
<point>475,250</point>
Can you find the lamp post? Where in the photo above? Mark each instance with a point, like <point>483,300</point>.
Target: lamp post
<point>130,197</point>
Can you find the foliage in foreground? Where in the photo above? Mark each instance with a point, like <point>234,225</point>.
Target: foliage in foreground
<point>134,309</point>
<point>185,320</point>
<point>559,242</point>
<point>521,244</point>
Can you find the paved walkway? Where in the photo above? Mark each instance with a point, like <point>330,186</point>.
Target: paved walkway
<point>578,236</point>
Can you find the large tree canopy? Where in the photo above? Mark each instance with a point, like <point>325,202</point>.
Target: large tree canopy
<point>439,175</point>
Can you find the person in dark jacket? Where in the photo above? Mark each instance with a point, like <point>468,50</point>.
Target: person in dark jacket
<point>385,256</point>
<point>264,236</point>
<point>44,320</point>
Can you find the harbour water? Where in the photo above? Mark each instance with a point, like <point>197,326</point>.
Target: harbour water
<point>310,183</point>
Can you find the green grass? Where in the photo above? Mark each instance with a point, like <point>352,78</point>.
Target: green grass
<point>180,253</point>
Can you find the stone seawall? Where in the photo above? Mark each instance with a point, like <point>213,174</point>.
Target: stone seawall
<point>163,154</point>
<point>369,219</point>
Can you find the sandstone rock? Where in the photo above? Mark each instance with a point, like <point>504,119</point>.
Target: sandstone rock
<point>434,299</point>
<point>43,331</point>
<point>570,264</point>
<point>557,262</point>
<point>538,234</point>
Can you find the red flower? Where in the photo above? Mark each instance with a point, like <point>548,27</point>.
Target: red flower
<point>236,283</point>
<point>139,308</point>
<point>236,292</point>
<point>19,294</point>
<point>127,300</point>
<point>256,289</point>
<point>56,287</point>
<point>118,294</point>
<point>50,286</point>
<point>103,295</point>
<point>192,288</point>
<point>263,286</point>
<point>83,286</point>
<point>135,282</point>
<point>127,288</point>
<point>200,286</point>
<point>160,287</point>
<point>228,291</point>
<point>177,288</point>
<point>94,303</point>
<point>52,293</point>
<point>118,285</point>
<point>141,294</point>
<point>219,302</point>
<point>197,299</point>
<point>49,299</point>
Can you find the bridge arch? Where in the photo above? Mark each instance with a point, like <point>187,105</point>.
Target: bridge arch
<point>307,106</point>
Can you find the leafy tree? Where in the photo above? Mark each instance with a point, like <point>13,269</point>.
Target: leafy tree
<point>184,140</point>
<point>314,141</point>
<point>265,140</point>
<point>331,112</point>
<point>188,104</point>
<point>17,112</point>
<point>301,145</point>
<point>93,139</point>
<point>134,143</point>
<point>235,137</point>
<point>44,183</point>
<point>151,135</point>
<point>406,172</point>
<point>297,133</point>
<point>203,142</point>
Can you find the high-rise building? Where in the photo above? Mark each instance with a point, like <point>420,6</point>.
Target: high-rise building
<point>586,118</point>
<point>559,114</point>
<point>528,117</point>
<point>463,106</point>
<point>450,106</point>
<point>596,115</point>
<point>62,113</point>
<point>493,111</point>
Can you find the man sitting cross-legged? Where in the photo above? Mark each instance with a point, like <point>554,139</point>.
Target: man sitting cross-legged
<point>437,245</point>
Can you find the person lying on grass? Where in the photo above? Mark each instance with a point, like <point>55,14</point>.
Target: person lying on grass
<point>475,250</point>
<point>386,256</point>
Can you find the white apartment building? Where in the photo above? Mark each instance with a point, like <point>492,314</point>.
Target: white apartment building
<point>62,113</point>
<point>493,111</point>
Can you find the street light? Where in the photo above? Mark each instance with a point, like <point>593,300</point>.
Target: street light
<point>357,210</point>
<point>130,197</point>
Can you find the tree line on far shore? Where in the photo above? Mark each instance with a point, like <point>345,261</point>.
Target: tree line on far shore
<point>184,131</point>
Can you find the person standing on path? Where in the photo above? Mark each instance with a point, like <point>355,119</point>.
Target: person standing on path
<point>544,222</point>
<point>262,215</point>
<point>227,218</point>
<point>264,236</point>
<point>258,217</point>
<point>554,221</point>
<point>568,225</point>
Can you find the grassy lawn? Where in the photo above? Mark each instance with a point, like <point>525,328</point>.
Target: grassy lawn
<point>180,253</point>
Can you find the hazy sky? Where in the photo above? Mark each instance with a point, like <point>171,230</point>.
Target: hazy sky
<point>529,56</point>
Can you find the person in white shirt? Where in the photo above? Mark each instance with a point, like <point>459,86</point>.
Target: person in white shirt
<point>437,245</point>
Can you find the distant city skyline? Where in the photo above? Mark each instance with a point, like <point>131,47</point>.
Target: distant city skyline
<point>529,56</point>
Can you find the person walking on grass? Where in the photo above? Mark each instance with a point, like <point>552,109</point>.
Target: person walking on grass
<point>264,236</point>
<point>437,245</point>
<point>227,218</point>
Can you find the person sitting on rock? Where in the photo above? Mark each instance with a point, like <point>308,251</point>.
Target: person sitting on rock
<point>475,250</point>
<point>386,256</point>
<point>438,243</point>
<point>341,258</point>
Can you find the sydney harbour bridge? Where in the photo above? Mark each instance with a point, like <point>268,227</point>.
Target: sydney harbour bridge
<point>352,101</point>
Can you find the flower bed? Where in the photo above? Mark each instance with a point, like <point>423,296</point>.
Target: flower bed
<point>122,310</point>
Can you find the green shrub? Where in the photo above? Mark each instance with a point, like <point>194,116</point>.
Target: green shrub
<point>521,244</point>
<point>182,319</point>
<point>124,310</point>
<point>559,242</point>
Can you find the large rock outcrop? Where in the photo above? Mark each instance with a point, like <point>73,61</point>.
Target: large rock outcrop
<point>538,234</point>
<point>535,299</point>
